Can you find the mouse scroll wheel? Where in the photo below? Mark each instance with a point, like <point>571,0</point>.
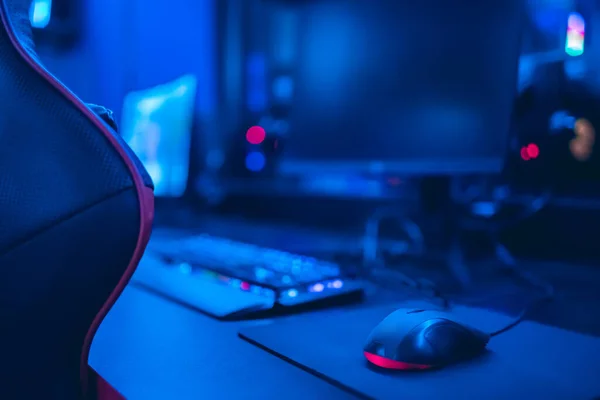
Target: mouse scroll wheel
<point>415,311</point>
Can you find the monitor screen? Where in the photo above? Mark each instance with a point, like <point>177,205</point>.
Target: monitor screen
<point>416,87</point>
<point>157,125</point>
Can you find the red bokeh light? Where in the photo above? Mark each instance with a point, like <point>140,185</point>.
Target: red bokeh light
<point>530,152</point>
<point>256,135</point>
<point>533,151</point>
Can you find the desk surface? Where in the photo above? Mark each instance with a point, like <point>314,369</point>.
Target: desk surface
<point>150,348</point>
<point>529,361</point>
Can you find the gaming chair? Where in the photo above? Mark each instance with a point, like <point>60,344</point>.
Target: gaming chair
<point>76,210</point>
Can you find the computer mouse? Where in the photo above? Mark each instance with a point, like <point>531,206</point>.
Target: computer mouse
<point>414,339</point>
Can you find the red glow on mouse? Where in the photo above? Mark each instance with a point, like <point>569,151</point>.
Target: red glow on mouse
<point>392,364</point>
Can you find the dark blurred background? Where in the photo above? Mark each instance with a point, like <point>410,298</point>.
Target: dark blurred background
<point>105,49</point>
<point>260,88</point>
<point>313,154</point>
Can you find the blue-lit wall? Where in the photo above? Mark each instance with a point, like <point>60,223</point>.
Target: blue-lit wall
<point>135,44</point>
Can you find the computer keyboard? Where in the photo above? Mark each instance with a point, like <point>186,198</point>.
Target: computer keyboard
<point>223,277</point>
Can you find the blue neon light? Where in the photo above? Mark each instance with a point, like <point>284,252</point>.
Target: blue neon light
<point>40,13</point>
<point>255,161</point>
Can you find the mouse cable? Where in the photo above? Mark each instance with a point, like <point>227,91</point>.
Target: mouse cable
<point>547,288</point>
<point>521,317</point>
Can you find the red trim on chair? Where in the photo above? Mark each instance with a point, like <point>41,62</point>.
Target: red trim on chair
<point>146,198</point>
<point>145,194</point>
<point>104,391</point>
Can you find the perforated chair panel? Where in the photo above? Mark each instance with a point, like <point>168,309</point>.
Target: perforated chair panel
<point>76,210</point>
<point>35,147</point>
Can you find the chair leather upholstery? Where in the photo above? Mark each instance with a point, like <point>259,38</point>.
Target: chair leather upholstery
<point>76,209</point>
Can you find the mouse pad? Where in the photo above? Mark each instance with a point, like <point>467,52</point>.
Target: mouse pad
<point>530,361</point>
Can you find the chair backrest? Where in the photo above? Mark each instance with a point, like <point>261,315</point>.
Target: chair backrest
<point>76,210</point>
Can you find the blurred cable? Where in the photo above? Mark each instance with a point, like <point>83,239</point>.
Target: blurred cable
<point>372,241</point>
<point>547,290</point>
<point>374,266</point>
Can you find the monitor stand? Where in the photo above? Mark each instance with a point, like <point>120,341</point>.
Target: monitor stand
<point>445,225</point>
<point>373,247</point>
<point>442,228</point>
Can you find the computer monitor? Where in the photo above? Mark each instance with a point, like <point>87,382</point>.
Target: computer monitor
<point>402,86</point>
<point>157,124</point>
